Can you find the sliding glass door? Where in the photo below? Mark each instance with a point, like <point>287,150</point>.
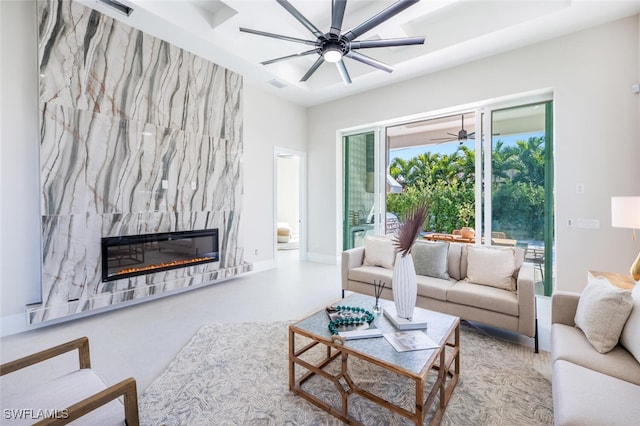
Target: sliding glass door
<point>490,169</point>
<point>520,190</point>
<point>360,185</point>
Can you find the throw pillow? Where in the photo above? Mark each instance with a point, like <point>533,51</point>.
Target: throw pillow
<point>602,312</point>
<point>379,251</point>
<point>630,337</point>
<point>431,259</point>
<point>491,267</point>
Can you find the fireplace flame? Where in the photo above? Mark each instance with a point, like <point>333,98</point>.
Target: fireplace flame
<point>164,265</point>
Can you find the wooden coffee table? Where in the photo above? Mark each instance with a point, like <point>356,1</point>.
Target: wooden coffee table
<point>414,365</point>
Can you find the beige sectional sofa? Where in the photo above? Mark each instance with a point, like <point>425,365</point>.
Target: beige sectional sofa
<point>591,387</point>
<point>453,291</point>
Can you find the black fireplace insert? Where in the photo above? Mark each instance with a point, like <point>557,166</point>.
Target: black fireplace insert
<point>131,255</point>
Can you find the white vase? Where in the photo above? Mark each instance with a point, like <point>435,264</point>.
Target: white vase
<point>404,286</point>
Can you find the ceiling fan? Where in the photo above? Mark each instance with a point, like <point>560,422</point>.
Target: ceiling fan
<point>334,45</point>
<point>461,137</point>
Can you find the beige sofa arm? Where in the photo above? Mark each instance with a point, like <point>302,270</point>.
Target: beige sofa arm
<point>351,258</point>
<point>526,300</point>
<point>563,307</point>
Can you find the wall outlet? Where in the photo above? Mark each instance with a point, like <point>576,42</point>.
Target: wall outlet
<point>579,188</point>
<point>194,185</point>
<point>570,223</point>
<point>255,252</point>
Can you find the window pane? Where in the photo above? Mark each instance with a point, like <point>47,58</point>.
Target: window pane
<point>518,180</point>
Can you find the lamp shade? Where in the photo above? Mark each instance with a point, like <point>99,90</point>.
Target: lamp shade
<point>625,212</point>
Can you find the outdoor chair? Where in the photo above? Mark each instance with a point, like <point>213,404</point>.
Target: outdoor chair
<point>80,396</point>
<point>535,256</point>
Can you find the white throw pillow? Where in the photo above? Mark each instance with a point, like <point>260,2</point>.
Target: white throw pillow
<point>492,267</point>
<point>602,312</point>
<point>379,251</point>
<point>630,337</point>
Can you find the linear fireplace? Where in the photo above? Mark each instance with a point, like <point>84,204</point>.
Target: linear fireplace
<point>128,256</point>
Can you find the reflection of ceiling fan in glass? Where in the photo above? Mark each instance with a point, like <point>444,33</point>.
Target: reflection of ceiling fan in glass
<point>333,46</point>
<point>461,137</point>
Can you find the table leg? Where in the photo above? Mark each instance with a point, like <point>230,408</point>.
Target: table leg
<point>292,365</point>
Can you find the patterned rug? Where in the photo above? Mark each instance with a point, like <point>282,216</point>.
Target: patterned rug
<point>237,374</point>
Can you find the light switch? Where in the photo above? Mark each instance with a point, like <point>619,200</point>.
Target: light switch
<point>165,184</point>
<point>579,188</point>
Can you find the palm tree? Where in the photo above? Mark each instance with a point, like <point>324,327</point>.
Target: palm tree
<point>400,170</point>
<point>423,166</point>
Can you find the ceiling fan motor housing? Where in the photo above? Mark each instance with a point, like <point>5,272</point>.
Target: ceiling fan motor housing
<point>333,42</point>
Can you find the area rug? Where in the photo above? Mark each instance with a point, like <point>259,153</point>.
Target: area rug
<point>237,374</point>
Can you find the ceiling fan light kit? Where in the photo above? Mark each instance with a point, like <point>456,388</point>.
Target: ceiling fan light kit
<point>333,46</point>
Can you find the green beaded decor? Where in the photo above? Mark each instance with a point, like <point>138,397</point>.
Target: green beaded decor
<point>366,317</point>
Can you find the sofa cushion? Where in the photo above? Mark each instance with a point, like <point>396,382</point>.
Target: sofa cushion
<point>518,256</point>
<point>602,312</point>
<point>369,274</point>
<point>491,267</point>
<point>435,288</point>
<point>484,297</point>
<point>570,344</point>
<point>379,251</point>
<point>431,259</point>
<point>630,336</point>
<point>453,260</point>
<point>585,397</point>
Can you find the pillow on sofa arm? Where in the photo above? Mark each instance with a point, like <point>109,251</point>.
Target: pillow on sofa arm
<point>492,267</point>
<point>379,251</point>
<point>602,312</point>
<point>431,259</point>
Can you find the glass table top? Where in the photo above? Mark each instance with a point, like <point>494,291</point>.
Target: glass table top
<point>439,326</point>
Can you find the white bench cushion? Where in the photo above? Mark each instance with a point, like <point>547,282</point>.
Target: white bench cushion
<point>58,395</point>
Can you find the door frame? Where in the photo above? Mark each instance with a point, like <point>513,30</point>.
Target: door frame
<point>302,198</point>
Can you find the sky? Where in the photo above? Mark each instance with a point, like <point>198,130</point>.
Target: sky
<point>451,147</point>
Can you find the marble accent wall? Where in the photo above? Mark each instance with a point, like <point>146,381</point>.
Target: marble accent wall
<point>137,136</point>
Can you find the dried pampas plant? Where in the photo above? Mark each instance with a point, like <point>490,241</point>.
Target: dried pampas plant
<point>409,231</point>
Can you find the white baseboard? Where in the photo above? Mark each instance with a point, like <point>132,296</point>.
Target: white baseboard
<point>264,265</point>
<point>14,324</point>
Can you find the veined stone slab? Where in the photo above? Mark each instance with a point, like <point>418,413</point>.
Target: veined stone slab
<point>137,137</point>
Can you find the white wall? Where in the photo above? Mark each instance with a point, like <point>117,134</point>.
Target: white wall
<point>19,163</point>
<point>268,121</point>
<point>597,139</point>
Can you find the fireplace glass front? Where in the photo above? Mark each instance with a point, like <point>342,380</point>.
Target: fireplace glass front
<point>128,256</point>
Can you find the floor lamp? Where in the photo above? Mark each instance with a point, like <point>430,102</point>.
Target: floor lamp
<point>625,213</point>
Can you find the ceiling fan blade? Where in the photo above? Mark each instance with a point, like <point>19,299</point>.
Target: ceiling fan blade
<point>390,42</point>
<point>313,69</point>
<point>376,20</point>
<point>343,72</point>
<point>284,58</point>
<point>278,36</point>
<point>300,17</point>
<point>337,15</point>
<point>369,61</point>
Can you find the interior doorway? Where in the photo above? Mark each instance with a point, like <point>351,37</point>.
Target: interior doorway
<point>290,196</point>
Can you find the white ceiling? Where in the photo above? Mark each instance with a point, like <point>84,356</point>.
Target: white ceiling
<point>456,31</point>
